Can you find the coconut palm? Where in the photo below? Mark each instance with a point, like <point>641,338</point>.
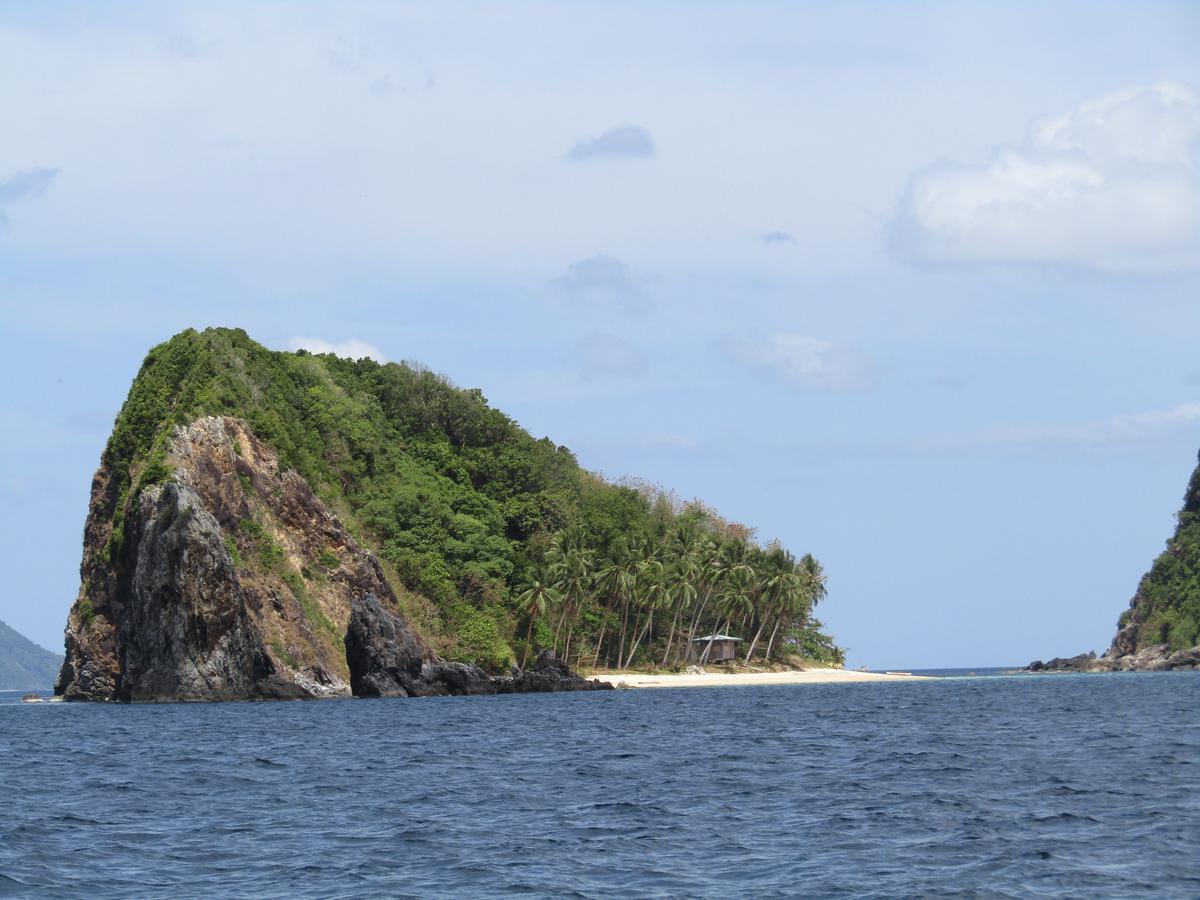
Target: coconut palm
<point>536,602</point>
<point>572,574</point>
<point>650,595</point>
<point>731,575</point>
<point>775,577</point>
<point>684,594</point>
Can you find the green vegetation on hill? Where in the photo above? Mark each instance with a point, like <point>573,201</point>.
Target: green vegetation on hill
<point>24,666</point>
<point>1167,604</point>
<point>511,544</point>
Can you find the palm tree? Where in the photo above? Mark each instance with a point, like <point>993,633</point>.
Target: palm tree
<point>650,594</point>
<point>805,590</point>
<point>708,577</point>
<point>776,573</point>
<point>684,595</point>
<point>613,583</point>
<point>571,571</point>
<point>731,575</point>
<point>535,602</point>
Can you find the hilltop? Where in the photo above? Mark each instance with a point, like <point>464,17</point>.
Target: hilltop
<point>250,501</point>
<point>24,665</point>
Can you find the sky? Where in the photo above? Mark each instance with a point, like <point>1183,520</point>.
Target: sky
<point>912,287</point>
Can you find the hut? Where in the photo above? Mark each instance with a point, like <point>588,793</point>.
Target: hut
<point>722,649</point>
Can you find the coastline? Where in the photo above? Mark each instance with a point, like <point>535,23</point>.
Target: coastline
<point>725,679</point>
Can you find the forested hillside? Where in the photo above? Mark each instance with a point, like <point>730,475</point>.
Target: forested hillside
<point>496,543</point>
<point>1166,607</point>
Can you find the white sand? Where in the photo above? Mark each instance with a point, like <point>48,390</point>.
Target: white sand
<point>715,679</point>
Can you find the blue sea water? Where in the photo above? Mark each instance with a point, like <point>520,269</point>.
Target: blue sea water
<point>1072,785</point>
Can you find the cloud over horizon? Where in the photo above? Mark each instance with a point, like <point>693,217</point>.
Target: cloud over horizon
<point>601,278</point>
<point>27,185</point>
<point>1112,184</point>
<point>801,362</point>
<point>621,142</point>
<point>771,238</point>
<point>351,348</point>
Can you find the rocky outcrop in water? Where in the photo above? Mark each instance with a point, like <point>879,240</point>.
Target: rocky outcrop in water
<point>230,579</point>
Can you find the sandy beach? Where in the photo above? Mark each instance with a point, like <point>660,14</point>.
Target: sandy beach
<point>718,679</point>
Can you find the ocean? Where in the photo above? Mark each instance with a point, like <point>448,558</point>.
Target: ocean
<point>1035,786</point>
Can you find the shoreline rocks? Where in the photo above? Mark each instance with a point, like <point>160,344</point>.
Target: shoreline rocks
<point>386,661</point>
<point>1155,658</point>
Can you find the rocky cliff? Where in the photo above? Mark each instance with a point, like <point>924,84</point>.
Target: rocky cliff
<point>1161,628</point>
<point>230,579</point>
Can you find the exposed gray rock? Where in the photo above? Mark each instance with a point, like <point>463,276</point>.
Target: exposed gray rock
<point>549,674</point>
<point>387,661</point>
<point>185,598</point>
<point>1184,659</point>
<point>1155,658</point>
<point>218,585</point>
<point>231,580</point>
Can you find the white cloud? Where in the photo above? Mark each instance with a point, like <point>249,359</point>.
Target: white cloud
<point>622,142</point>
<point>351,348</point>
<point>1113,184</point>
<point>802,362</point>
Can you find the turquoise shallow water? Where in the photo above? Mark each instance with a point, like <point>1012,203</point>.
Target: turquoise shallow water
<point>1082,785</point>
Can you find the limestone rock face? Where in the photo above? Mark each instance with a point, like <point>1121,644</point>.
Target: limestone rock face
<point>231,580</point>
<point>384,658</point>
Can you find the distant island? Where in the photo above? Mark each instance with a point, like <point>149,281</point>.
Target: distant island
<point>284,525</point>
<point>1161,628</point>
<point>25,666</point>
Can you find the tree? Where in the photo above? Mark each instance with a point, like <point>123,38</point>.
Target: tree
<point>536,601</point>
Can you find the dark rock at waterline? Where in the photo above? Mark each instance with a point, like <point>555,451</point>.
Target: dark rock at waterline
<point>549,674</point>
<point>385,660</point>
<point>1155,658</point>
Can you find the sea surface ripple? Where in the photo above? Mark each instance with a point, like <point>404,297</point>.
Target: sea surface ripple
<point>1083,785</point>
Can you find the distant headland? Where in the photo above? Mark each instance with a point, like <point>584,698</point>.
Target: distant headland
<point>1160,631</point>
<point>23,664</point>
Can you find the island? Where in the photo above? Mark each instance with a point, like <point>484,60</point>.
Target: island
<point>277,525</point>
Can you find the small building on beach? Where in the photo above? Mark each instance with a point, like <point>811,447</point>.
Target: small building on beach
<point>723,648</point>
